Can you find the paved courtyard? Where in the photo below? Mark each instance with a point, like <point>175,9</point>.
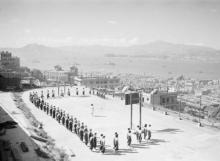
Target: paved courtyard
<point>172,139</point>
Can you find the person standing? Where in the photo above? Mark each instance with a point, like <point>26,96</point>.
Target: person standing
<point>75,126</point>
<point>48,94</point>
<point>91,142</point>
<point>54,112</point>
<point>67,121</point>
<point>58,117</point>
<point>44,106</point>
<point>42,95</point>
<point>115,142</point>
<point>78,127</point>
<point>95,140</point>
<point>51,110</point>
<point>139,135</point>
<point>41,105</point>
<point>71,124</point>
<point>86,136</point>
<point>48,109</point>
<point>83,93</point>
<point>81,133</point>
<point>63,119</point>
<point>53,94</point>
<point>77,92</point>
<point>145,131</point>
<point>149,132</point>
<point>90,133</point>
<point>68,92</point>
<point>129,137</point>
<point>102,147</point>
<point>61,113</point>
<point>92,110</point>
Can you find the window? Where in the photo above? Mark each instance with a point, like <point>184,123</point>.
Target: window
<point>163,100</point>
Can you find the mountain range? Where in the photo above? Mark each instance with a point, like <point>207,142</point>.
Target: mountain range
<point>45,57</point>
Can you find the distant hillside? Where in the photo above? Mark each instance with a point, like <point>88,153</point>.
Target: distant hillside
<point>45,57</point>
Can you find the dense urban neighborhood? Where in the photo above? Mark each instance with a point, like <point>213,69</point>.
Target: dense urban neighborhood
<point>197,101</point>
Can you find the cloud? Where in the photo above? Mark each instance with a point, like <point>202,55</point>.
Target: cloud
<point>113,22</point>
<point>15,20</point>
<point>109,41</point>
<point>27,31</point>
<point>213,10</point>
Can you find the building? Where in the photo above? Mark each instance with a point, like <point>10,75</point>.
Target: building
<point>8,62</point>
<point>56,76</point>
<point>161,98</point>
<point>73,73</point>
<point>100,82</point>
<point>10,80</point>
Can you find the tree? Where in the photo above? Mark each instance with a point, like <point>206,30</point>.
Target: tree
<point>37,74</point>
<point>58,68</point>
<point>25,69</point>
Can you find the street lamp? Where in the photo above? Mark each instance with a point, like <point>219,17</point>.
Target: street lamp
<point>200,104</point>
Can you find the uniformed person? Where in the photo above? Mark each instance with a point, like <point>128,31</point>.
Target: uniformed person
<point>42,94</point>
<point>77,92</point>
<point>47,109</point>
<point>58,117</point>
<point>53,93</point>
<point>48,94</point>
<point>45,106</point>
<point>145,131</point>
<point>95,140</point>
<point>129,138</point>
<point>51,110</point>
<point>91,142</point>
<point>115,142</point>
<point>67,121</point>
<point>68,92</point>
<point>71,124</point>
<point>83,92</point>
<point>86,136</point>
<point>90,133</point>
<point>81,133</point>
<point>54,112</point>
<point>149,132</point>
<point>78,127</point>
<point>41,105</point>
<point>75,126</point>
<point>63,119</point>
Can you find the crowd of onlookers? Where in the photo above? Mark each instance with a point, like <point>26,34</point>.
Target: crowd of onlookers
<point>86,135</point>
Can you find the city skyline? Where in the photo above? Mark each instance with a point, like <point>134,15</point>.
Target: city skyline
<point>111,23</point>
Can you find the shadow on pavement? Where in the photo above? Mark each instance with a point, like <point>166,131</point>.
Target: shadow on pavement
<point>169,130</point>
<point>156,141</point>
<point>146,144</point>
<point>99,116</point>
<point>119,152</point>
<point>142,145</point>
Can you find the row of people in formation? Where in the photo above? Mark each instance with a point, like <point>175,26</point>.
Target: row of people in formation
<point>86,135</point>
<point>69,93</point>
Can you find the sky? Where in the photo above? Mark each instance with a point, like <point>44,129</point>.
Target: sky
<point>109,22</point>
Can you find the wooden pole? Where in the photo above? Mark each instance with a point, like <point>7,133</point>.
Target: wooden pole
<point>140,110</point>
<point>131,111</point>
